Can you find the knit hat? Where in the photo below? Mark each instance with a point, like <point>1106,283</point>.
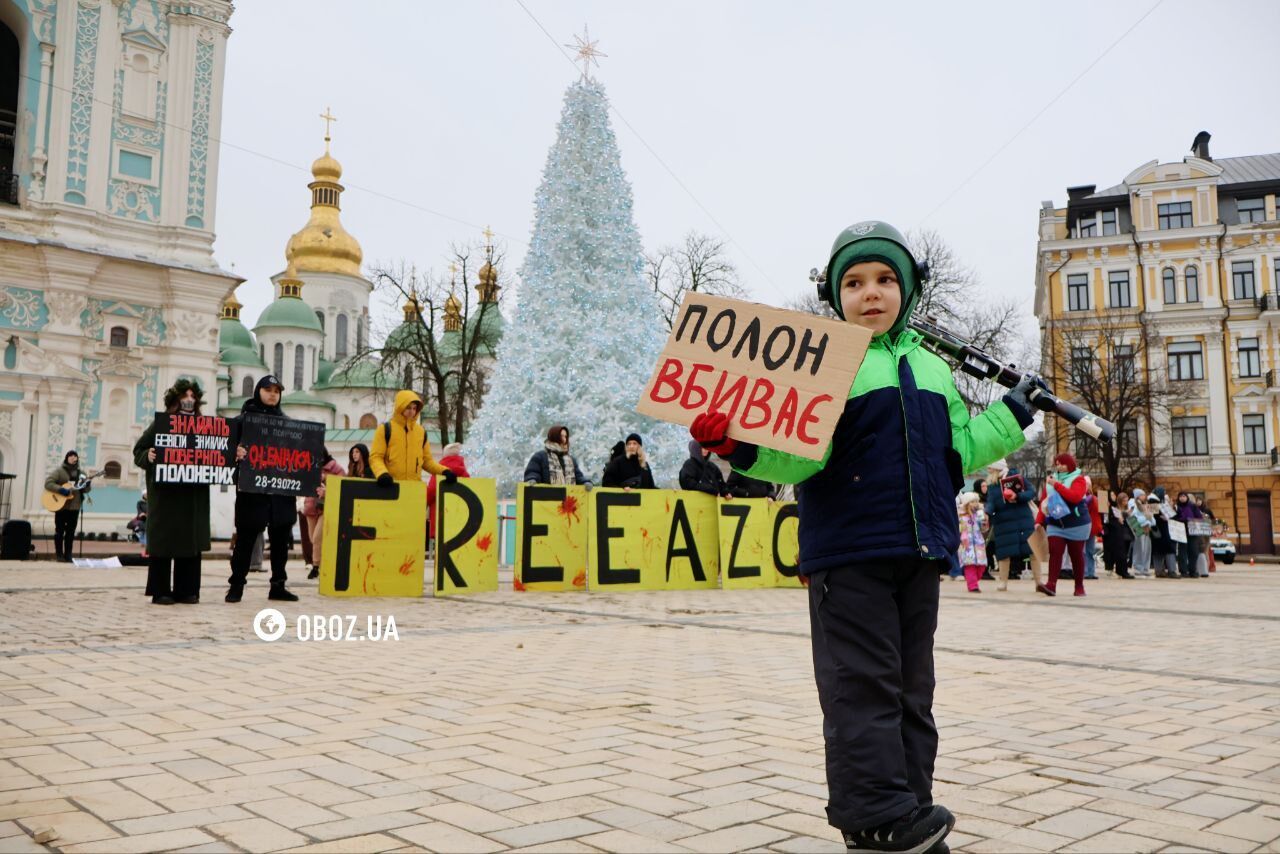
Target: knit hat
<point>453,449</point>
<point>1151,499</point>
<point>968,498</point>
<point>635,437</point>
<point>1065,460</point>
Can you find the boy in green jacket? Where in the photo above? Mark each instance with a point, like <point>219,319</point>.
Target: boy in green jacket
<point>877,513</point>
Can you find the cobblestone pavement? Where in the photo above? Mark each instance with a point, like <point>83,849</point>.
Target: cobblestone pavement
<point>1144,717</point>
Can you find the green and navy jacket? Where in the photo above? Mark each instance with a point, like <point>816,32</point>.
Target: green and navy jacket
<point>886,486</point>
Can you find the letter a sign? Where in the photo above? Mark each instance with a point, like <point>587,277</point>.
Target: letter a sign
<point>782,377</point>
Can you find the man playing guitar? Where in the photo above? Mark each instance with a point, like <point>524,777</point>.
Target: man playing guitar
<point>64,488</point>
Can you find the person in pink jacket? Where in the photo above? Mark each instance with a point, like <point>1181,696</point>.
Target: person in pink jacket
<point>313,511</point>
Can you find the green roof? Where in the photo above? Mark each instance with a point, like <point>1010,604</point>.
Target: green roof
<point>241,356</point>
<point>232,333</point>
<point>348,434</point>
<point>302,398</point>
<point>291,312</point>
<point>324,371</point>
<point>362,374</point>
<point>404,336</point>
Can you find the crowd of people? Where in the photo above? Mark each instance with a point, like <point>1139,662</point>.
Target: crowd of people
<point>1067,523</point>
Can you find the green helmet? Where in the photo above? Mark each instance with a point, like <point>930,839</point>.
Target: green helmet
<point>873,240</point>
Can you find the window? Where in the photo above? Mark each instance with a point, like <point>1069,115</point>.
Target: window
<point>1087,447</point>
<point>1250,365</point>
<point>111,471</point>
<point>1190,436</point>
<point>1081,364</point>
<point>340,337</point>
<point>1078,292</point>
<point>278,360</point>
<point>1170,286</point>
<point>246,387</point>
<point>1242,286</point>
<point>1088,226</point>
<point>1186,362</point>
<point>320,319</point>
<point>1175,215</point>
<point>1252,210</point>
<point>1129,440</point>
<point>1120,292</point>
<point>360,335</point>
<point>1125,364</point>
<point>119,336</point>
<point>1108,222</point>
<point>1193,284</point>
<point>408,376</point>
<point>1255,434</point>
<point>299,362</point>
<point>134,165</point>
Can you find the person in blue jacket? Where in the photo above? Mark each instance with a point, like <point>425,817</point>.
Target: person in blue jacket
<point>1012,524</point>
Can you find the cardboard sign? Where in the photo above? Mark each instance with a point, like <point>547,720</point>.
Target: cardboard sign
<point>193,449</point>
<point>1135,524</point>
<point>466,536</point>
<point>551,537</point>
<point>374,538</point>
<point>1199,527</point>
<point>1177,531</point>
<point>781,376</point>
<point>650,539</point>
<point>284,455</point>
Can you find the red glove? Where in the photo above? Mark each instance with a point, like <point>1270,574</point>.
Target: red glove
<point>711,431</point>
<point>1009,496</point>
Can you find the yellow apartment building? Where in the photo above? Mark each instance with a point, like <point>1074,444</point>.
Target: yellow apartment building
<point>1182,256</point>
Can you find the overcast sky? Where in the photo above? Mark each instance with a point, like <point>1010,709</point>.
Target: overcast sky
<point>787,121</point>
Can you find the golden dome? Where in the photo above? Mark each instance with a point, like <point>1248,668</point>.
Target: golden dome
<point>231,307</point>
<point>412,310</point>
<point>452,314</point>
<point>487,274</point>
<point>326,167</point>
<point>323,245</point>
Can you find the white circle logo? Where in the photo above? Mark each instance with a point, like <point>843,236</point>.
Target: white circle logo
<point>863,228</point>
<point>268,624</point>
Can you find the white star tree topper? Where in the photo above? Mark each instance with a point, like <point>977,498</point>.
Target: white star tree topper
<point>587,52</point>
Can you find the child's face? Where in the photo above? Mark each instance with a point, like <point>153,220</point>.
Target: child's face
<point>869,296</point>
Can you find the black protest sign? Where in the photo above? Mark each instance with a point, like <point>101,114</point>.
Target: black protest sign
<point>283,456</point>
<point>192,449</point>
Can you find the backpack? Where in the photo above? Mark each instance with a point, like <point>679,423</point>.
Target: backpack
<point>1056,507</point>
<point>386,434</point>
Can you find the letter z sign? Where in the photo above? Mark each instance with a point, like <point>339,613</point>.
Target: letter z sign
<point>782,377</point>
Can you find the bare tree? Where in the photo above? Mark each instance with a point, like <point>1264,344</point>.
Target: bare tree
<point>1032,459</point>
<point>1113,368</point>
<point>699,264</point>
<point>445,350</point>
<point>952,285</point>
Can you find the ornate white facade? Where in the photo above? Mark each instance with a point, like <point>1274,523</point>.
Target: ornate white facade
<point>109,290</point>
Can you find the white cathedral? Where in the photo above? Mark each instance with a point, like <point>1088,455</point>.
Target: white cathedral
<point>109,291</point>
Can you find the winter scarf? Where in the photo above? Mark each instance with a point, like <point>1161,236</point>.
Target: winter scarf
<point>1068,478</point>
<point>560,464</point>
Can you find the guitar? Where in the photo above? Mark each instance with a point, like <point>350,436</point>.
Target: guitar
<point>53,501</point>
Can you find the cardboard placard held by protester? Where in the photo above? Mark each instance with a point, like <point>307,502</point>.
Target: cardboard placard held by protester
<point>781,376</point>
<point>284,455</point>
<point>193,449</point>
<point>1177,531</point>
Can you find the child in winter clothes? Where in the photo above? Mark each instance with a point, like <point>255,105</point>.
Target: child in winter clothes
<point>973,546</point>
<point>901,447</point>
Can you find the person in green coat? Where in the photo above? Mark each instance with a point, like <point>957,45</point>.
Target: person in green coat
<point>178,514</point>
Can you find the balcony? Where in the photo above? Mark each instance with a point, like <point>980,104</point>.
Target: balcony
<point>1192,463</point>
<point>1275,459</point>
<point>1272,380</point>
<point>1255,462</point>
<point>1268,301</point>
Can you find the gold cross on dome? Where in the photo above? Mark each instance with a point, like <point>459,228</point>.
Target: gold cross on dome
<point>328,117</point>
<point>453,271</point>
<point>488,235</point>
<point>587,52</point>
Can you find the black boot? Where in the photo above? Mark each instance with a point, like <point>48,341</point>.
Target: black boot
<point>314,573</point>
<point>162,599</point>
<point>914,833</point>
<point>280,594</point>
<point>233,593</point>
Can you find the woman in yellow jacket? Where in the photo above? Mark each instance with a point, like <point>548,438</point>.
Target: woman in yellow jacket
<point>400,449</point>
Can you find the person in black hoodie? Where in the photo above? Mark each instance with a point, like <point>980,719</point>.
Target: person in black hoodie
<point>741,486</point>
<point>700,474</point>
<point>629,469</point>
<point>256,512</point>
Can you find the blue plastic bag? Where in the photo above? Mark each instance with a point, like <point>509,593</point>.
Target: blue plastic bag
<point>1056,507</point>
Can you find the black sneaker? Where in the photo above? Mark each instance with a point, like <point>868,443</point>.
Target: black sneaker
<point>162,600</point>
<point>280,594</point>
<point>314,573</point>
<point>233,593</point>
<point>916,832</point>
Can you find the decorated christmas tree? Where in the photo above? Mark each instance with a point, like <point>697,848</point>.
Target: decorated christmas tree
<point>587,329</point>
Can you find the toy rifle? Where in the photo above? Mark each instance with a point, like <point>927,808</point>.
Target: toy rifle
<point>977,363</point>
